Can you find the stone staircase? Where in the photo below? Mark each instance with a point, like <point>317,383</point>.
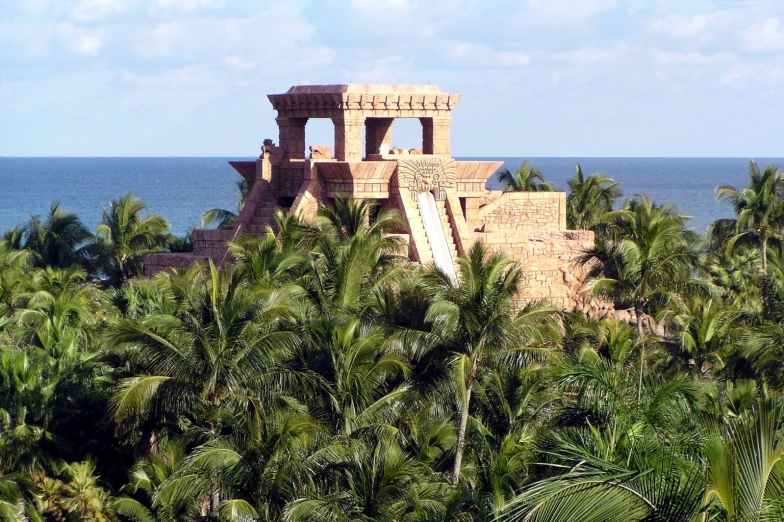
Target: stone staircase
<point>262,216</point>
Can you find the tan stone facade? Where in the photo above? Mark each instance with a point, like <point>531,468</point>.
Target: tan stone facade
<point>530,227</point>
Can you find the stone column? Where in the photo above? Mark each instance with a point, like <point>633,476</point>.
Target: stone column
<point>291,136</point>
<point>378,132</point>
<point>348,137</point>
<point>435,135</point>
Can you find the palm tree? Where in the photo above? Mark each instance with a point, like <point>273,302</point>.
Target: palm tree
<point>475,318</point>
<point>526,178</point>
<point>14,271</point>
<point>148,474</point>
<point>353,257</point>
<point>270,259</point>
<point>650,260</point>
<point>745,467</point>
<point>759,211</point>
<point>703,332</point>
<point>589,198</point>
<point>378,476</point>
<point>738,279</point>
<point>59,241</point>
<point>616,455</point>
<point>204,363</point>
<point>77,495</point>
<point>226,218</point>
<point>124,237</point>
<point>353,374</point>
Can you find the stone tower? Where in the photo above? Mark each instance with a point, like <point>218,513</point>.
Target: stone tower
<point>444,202</point>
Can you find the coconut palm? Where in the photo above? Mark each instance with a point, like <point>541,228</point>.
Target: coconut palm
<point>738,279</point>
<point>226,218</point>
<point>703,333</point>
<point>589,198</point>
<point>621,455</point>
<point>353,373</point>
<point>639,490</point>
<point>353,257</point>
<point>266,261</point>
<point>759,211</point>
<point>57,241</point>
<point>140,502</point>
<point>124,237</point>
<point>526,178</point>
<point>378,476</point>
<point>475,319</point>
<point>210,353</point>
<point>648,260</point>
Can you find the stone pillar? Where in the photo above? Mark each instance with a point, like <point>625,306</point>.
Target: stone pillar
<point>291,136</point>
<point>378,132</point>
<point>348,138</point>
<point>435,135</point>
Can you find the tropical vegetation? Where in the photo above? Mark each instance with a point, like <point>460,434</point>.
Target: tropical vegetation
<point>323,377</point>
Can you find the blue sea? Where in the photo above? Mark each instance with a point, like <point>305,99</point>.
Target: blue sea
<point>181,189</point>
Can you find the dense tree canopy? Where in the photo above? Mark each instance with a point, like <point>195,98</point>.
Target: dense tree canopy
<point>323,377</point>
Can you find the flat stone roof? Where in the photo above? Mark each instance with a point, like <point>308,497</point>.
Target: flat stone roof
<point>361,88</point>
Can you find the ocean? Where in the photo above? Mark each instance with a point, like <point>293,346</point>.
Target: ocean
<point>181,189</point>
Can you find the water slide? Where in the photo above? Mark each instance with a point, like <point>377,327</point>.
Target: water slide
<point>436,236</point>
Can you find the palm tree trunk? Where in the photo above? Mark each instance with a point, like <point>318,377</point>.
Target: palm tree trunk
<point>463,423</point>
<point>638,312</point>
<point>215,502</point>
<point>764,255</point>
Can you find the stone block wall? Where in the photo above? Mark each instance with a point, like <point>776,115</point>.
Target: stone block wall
<point>154,263</point>
<point>524,211</point>
<point>548,261</point>
<point>211,243</point>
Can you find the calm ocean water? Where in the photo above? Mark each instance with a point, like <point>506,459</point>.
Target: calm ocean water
<point>183,188</point>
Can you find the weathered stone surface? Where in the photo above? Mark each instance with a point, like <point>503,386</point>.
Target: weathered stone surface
<point>320,152</point>
<point>529,226</point>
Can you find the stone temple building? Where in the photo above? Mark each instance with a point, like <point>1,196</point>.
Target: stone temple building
<point>444,202</point>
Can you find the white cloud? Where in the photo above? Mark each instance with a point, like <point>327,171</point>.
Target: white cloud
<point>696,27</point>
<point>160,41</point>
<point>170,79</point>
<point>318,56</point>
<point>592,55</point>
<point>383,6</point>
<point>85,42</point>
<point>88,10</point>
<point>238,64</point>
<point>743,73</point>
<point>765,36</point>
<point>471,54</point>
<point>187,6</point>
<point>680,58</point>
<point>513,58</point>
<point>571,8</point>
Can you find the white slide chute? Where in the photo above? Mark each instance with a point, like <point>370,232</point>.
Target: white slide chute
<point>436,236</point>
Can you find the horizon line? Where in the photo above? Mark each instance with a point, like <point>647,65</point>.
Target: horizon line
<point>497,156</point>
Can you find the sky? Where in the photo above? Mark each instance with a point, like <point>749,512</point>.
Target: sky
<point>538,77</point>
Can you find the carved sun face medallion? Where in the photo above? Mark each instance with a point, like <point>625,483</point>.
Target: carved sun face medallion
<point>427,175</point>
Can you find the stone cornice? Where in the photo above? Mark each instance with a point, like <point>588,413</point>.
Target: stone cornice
<point>304,104</point>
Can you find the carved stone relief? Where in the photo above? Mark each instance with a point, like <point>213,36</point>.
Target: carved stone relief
<point>433,174</point>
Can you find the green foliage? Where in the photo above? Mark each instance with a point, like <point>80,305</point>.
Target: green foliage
<point>124,237</point>
<point>759,210</point>
<point>322,377</point>
<point>526,178</point>
<point>589,199</point>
